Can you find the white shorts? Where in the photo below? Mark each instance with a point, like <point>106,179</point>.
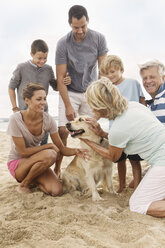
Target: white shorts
<point>79,104</point>
<point>150,189</point>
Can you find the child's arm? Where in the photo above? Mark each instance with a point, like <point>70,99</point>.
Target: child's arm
<point>67,79</point>
<point>12,96</point>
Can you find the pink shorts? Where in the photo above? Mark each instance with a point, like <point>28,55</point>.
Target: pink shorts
<point>12,166</point>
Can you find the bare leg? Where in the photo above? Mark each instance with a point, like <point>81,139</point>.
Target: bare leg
<point>30,168</point>
<point>157,209</point>
<point>63,133</point>
<point>136,171</point>
<point>122,175</point>
<point>49,183</point>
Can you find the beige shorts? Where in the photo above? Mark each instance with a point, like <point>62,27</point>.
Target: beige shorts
<point>79,104</point>
<point>150,189</point>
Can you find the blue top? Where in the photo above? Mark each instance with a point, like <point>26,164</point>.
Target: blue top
<point>131,89</point>
<point>157,106</point>
<point>138,131</point>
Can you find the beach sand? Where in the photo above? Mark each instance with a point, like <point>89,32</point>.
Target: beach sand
<point>72,220</point>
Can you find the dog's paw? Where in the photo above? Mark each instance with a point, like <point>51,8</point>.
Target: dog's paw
<point>97,197</point>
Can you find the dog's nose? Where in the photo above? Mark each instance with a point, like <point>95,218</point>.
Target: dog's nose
<point>68,125</point>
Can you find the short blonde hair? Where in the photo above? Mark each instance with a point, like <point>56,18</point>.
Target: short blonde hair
<point>110,61</point>
<point>104,97</point>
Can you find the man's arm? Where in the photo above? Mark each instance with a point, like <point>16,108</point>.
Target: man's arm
<point>61,71</point>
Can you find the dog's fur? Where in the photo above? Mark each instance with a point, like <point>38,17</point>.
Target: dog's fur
<point>89,174</point>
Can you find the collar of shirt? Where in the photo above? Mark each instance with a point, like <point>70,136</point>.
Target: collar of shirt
<point>35,66</point>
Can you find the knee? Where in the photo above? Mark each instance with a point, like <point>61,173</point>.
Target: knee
<point>50,157</point>
<point>57,191</point>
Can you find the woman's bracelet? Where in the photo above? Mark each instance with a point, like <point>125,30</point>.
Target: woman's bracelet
<point>15,108</point>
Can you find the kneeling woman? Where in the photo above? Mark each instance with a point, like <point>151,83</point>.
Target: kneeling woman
<point>28,161</point>
<point>135,130</point>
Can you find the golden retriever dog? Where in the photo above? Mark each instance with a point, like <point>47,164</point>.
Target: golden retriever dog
<point>87,175</point>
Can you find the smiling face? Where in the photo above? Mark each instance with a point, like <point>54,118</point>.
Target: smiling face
<point>37,103</point>
<point>151,80</point>
<point>39,58</point>
<point>79,28</point>
<point>115,75</point>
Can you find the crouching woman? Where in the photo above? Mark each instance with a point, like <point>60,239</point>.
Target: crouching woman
<point>28,161</point>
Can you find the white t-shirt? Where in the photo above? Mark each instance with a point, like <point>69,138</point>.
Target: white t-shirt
<point>138,131</point>
<point>17,128</point>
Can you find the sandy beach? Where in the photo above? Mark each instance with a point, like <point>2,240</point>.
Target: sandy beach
<point>72,220</point>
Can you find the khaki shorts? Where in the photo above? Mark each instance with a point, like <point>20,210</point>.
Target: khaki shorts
<point>150,189</point>
<point>79,104</point>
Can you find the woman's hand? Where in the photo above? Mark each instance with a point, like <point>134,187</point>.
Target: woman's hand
<point>83,153</point>
<point>96,128</point>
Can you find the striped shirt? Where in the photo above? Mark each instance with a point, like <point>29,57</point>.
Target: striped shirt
<point>157,106</point>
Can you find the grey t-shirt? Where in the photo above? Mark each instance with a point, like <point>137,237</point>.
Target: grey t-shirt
<point>17,128</point>
<point>81,58</point>
<point>27,72</point>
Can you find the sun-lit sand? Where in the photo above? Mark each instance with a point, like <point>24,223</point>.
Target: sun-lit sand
<point>72,220</point>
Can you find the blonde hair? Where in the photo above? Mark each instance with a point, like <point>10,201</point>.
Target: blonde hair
<point>104,97</point>
<point>110,61</point>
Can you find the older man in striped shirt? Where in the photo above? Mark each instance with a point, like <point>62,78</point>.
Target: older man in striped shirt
<point>153,76</point>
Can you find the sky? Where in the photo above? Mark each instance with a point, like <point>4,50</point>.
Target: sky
<point>134,30</point>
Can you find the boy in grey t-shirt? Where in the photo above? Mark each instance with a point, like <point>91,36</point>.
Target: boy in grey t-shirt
<point>34,71</point>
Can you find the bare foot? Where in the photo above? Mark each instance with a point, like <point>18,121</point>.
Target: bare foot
<point>22,189</point>
<point>131,184</point>
<point>120,189</point>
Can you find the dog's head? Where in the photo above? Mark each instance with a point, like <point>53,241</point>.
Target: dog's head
<point>79,128</point>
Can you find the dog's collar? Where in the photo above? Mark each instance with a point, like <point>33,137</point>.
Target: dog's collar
<point>101,140</point>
